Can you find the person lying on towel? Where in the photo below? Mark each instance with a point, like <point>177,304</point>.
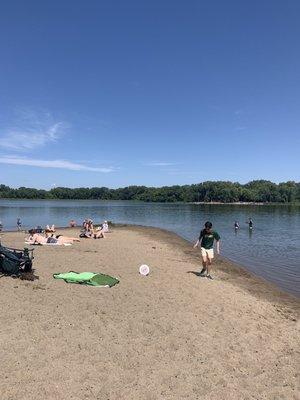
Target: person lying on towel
<point>36,238</point>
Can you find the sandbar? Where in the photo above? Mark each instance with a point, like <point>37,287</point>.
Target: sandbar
<point>169,335</point>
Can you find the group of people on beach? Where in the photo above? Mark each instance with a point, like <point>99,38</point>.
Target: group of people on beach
<point>90,232</point>
<point>206,239</point>
<point>38,236</point>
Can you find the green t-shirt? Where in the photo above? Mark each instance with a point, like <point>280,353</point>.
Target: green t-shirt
<point>207,239</point>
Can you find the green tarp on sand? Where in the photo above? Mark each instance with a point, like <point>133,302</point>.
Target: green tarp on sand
<point>88,278</point>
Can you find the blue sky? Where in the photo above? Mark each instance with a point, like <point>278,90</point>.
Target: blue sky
<point>115,93</point>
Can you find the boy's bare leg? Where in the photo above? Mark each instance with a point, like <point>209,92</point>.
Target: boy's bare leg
<point>209,267</point>
<point>204,267</point>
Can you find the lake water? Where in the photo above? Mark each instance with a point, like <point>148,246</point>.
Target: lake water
<point>271,250</point>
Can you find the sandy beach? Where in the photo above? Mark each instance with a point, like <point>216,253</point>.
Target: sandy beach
<point>170,335</point>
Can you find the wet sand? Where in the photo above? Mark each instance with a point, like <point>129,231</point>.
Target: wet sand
<point>170,335</point>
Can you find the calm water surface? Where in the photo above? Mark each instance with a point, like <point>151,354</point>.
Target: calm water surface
<point>272,250</point>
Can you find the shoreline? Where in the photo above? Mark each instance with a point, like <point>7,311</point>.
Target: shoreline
<point>237,273</point>
<point>245,203</point>
<point>235,203</point>
<point>169,335</point>
<point>224,262</point>
<point>255,284</point>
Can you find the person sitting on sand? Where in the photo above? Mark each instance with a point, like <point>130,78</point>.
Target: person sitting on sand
<point>99,233</point>
<point>50,228</point>
<point>87,234</point>
<point>105,226</point>
<point>88,230</point>
<point>206,239</point>
<point>88,224</point>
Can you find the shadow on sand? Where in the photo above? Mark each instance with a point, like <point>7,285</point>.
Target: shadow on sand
<point>196,273</point>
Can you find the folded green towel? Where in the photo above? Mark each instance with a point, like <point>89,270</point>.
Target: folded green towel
<point>87,278</point>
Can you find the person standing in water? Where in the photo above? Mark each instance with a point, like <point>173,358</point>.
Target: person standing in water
<point>236,225</point>
<point>19,224</point>
<point>250,223</point>
<point>206,239</point>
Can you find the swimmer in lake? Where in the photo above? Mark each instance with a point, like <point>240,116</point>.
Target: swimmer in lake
<point>250,223</point>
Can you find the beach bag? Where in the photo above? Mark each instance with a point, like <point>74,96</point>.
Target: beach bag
<point>14,261</point>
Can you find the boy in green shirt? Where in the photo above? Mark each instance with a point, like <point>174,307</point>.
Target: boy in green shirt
<point>206,239</point>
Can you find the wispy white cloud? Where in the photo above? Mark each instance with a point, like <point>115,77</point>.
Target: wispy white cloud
<point>31,130</point>
<point>30,139</point>
<point>159,164</point>
<point>62,164</point>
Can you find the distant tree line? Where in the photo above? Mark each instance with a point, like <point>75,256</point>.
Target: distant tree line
<point>219,191</point>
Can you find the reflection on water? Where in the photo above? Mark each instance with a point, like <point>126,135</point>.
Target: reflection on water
<point>271,249</point>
